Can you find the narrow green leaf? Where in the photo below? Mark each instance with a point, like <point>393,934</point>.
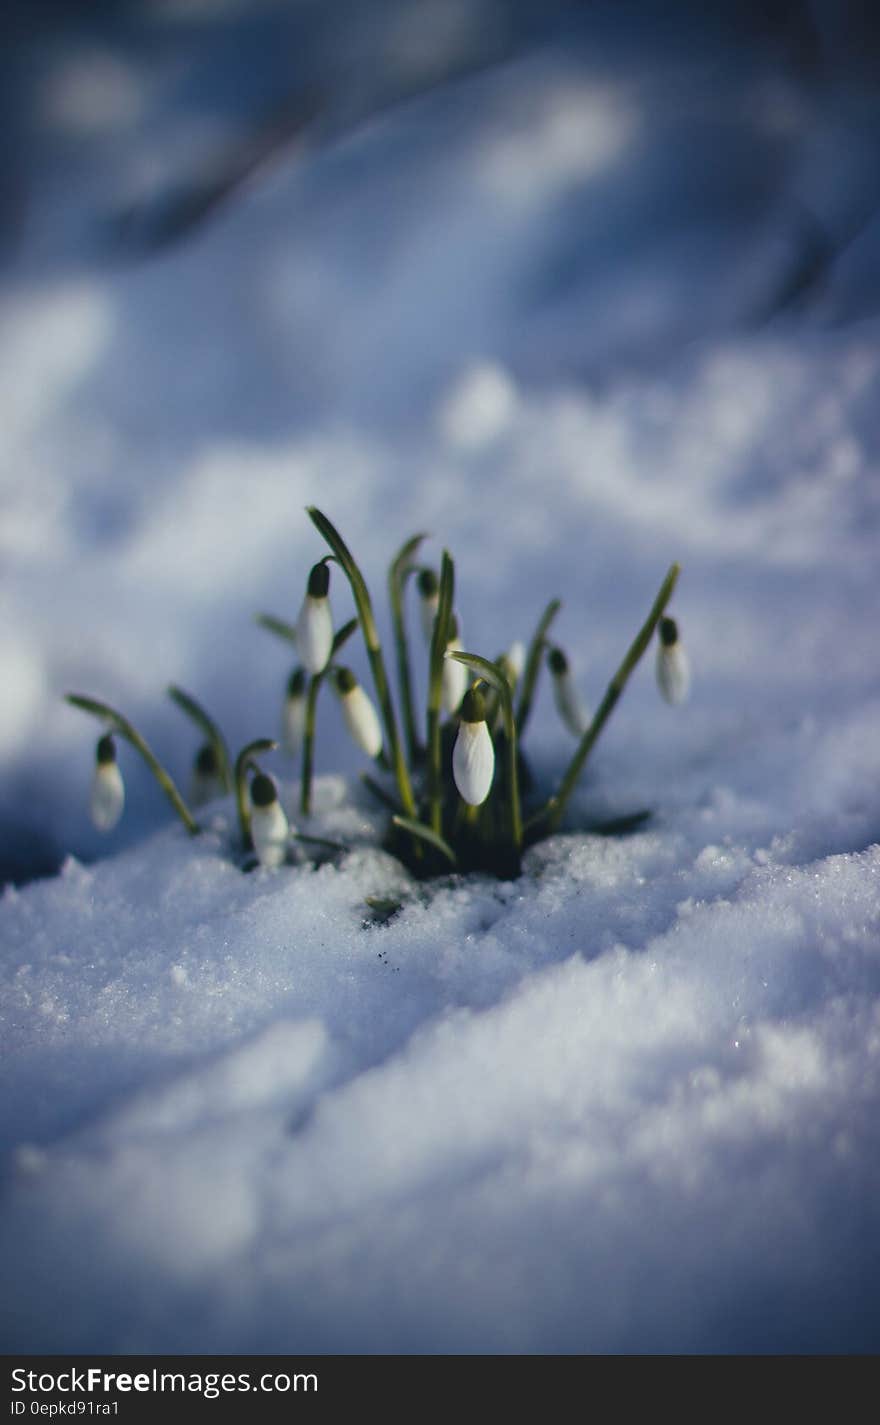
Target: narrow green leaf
<point>209,727</point>
<point>439,640</point>
<point>552,813</point>
<point>534,660</point>
<point>278,626</point>
<point>401,568</point>
<point>424,833</point>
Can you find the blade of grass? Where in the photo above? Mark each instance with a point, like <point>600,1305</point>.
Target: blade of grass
<point>534,661</point>
<point>278,626</point>
<point>209,727</point>
<point>401,568</point>
<point>125,729</point>
<point>551,815</point>
<point>424,833</point>
<point>439,640</point>
<point>374,652</point>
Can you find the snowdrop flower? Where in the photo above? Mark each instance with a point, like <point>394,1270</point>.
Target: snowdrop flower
<point>361,717</point>
<point>429,601</point>
<point>108,788</point>
<point>206,782</point>
<point>314,626</point>
<point>473,756</point>
<point>455,674</point>
<point>569,703</point>
<point>293,714</point>
<point>673,667</point>
<point>269,826</point>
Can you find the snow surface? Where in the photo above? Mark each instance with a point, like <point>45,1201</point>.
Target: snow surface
<point>629,1101</point>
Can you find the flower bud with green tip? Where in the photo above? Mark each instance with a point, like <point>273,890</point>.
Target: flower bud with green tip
<point>569,704</point>
<point>314,625</point>
<point>293,714</point>
<point>473,756</point>
<point>455,675</point>
<point>270,831</point>
<point>206,782</point>
<point>360,715</point>
<point>108,788</point>
<point>429,601</point>
<point>673,666</point>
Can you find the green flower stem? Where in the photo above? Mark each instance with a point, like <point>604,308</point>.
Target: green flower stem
<point>439,640</point>
<point>492,675</point>
<point>209,727</point>
<point>398,574</point>
<point>308,751</point>
<point>552,813</point>
<point>374,652</point>
<point>243,762</point>
<point>533,665</point>
<point>124,728</point>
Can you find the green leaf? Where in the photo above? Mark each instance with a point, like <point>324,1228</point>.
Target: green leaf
<point>209,727</point>
<point>424,833</point>
<point>552,812</point>
<point>534,660</point>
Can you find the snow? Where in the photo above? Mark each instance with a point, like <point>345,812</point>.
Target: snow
<point>629,1101</point>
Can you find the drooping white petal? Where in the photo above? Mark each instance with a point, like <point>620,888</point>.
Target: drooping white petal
<point>570,705</point>
<point>473,762</point>
<point>673,673</point>
<point>455,679</point>
<point>270,832</point>
<point>293,724</point>
<point>314,633</point>
<point>362,721</point>
<point>108,796</point>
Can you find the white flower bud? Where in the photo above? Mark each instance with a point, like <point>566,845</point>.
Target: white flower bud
<point>473,756</point>
<point>360,715</point>
<point>673,666</point>
<point>108,788</point>
<point>205,783</point>
<point>270,830</point>
<point>314,625</point>
<point>569,704</point>
<point>293,714</point>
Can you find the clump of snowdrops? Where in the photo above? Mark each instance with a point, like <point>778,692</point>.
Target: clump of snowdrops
<point>455,783</point>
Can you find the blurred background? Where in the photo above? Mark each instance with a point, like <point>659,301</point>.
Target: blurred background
<point>257,254</point>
